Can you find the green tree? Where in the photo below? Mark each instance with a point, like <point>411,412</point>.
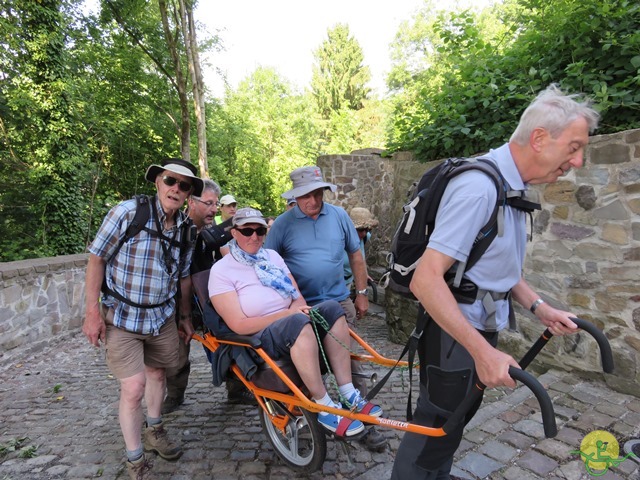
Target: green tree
<point>478,71</point>
<point>82,114</point>
<point>350,117</point>
<point>43,201</point>
<point>261,132</point>
<point>339,77</point>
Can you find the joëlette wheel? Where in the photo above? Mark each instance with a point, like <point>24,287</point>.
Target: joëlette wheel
<point>303,444</point>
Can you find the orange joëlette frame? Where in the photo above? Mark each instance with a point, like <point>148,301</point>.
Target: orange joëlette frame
<point>297,399</point>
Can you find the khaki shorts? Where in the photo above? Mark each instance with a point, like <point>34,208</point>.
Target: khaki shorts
<point>128,352</point>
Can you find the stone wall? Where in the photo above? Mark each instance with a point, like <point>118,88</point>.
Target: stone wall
<point>39,299</point>
<point>585,255</point>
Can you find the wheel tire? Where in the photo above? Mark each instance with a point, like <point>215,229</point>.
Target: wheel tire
<point>304,446</point>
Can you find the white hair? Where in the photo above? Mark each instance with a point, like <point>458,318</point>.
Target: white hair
<point>554,110</point>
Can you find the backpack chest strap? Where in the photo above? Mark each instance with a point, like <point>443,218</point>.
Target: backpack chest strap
<point>489,299</point>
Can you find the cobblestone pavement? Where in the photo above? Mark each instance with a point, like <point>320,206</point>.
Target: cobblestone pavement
<point>63,401</point>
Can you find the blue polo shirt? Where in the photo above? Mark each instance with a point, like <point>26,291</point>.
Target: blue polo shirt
<point>313,250</point>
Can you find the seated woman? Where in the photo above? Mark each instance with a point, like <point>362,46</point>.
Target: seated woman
<point>254,292</point>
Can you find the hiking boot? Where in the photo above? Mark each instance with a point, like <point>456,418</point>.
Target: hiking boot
<point>341,426</point>
<point>374,441</point>
<point>362,406</point>
<point>244,397</point>
<point>157,440</point>
<point>140,469</point>
<point>237,392</point>
<point>171,404</point>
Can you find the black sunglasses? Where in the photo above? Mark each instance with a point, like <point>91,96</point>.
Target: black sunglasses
<point>171,181</point>
<point>247,232</point>
<point>363,229</point>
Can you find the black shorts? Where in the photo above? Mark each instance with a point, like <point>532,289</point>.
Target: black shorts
<point>278,338</point>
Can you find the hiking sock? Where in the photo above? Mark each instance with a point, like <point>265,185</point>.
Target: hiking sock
<point>133,455</point>
<point>153,421</point>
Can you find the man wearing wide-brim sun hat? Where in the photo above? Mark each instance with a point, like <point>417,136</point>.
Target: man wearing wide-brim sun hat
<point>131,299</point>
<point>312,238</point>
<point>180,167</point>
<point>364,221</point>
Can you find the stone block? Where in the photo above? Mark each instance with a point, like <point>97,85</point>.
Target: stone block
<point>613,211</point>
<point>480,465</point>
<point>498,451</point>
<point>566,231</point>
<point>560,192</point>
<point>537,463</point>
<point>615,233</point>
<point>610,154</point>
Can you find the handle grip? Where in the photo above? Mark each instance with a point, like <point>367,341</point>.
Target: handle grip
<point>546,407</point>
<point>606,355</point>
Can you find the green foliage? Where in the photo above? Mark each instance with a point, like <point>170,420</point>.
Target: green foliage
<point>83,112</point>
<point>15,444</point>
<point>339,77</point>
<point>261,133</point>
<point>348,118</point>
<point>483,69</point>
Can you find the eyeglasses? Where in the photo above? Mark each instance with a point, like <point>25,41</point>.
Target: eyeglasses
<point>208,203</point>
<point>247,232</point>
<point>171,181</point>
<point>363,229</point>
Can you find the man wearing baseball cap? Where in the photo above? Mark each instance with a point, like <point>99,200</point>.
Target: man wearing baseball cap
<point>228,207</point>
<point>141,280</point>
<point>312,238</point>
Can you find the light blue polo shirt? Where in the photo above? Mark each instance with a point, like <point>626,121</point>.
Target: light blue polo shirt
<point>466,206</point>
<point>313,250</point>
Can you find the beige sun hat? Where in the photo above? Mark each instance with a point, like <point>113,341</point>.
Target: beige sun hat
<point>363,218</point>
<point>179,166</point>
<point>306,180</point>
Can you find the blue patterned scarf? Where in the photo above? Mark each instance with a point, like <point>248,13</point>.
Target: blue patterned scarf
<point>269,275</point>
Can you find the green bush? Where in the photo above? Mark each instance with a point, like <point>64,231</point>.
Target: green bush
<point>485,68</point>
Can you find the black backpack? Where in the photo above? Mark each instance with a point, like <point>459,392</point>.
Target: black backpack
<point>145,206</point>
<point>412,234</point>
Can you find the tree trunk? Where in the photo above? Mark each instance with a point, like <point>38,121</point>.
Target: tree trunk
<point>193,59</point>
<point>185,127</point>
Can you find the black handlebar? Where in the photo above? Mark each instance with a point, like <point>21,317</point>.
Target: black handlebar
<point>546,407</point>
<point>605,349</point>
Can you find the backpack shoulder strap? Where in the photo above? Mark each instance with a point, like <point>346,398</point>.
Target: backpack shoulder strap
<point>141,217</point>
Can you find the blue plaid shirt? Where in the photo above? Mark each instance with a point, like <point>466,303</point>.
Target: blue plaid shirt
<point>139,271</point>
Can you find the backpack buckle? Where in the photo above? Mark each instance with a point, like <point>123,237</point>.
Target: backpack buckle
<point>415,334</point>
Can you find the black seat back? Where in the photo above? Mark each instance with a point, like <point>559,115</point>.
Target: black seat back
<point>210,317</point>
